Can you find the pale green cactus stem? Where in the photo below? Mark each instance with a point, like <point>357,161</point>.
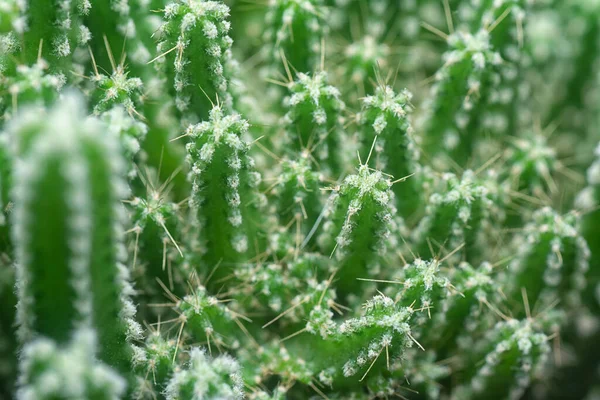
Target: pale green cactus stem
<point>505,361</point>
<point>453,106</point>
<point>551,263</point>
<point>69,371</point>
<point>453,217</point>
<point>61,286</point>
<point>49,30</point>
<point>385,127</point>
<point>295,30</point>
<point>225,201</point>
<point>358,220</point>
<point>588,201</point>
<point>158,239</point>
<point>193,44</point>
<point>314,121</point>
<point>206,378</point>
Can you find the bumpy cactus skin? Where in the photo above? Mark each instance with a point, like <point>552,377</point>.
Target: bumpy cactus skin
<point>299,199</point>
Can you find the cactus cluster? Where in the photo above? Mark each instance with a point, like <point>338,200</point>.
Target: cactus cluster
<point>299,199</point>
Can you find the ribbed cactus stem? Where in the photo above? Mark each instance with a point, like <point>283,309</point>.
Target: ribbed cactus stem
<point>358,221</point>
<point>69,226</point>
<point>193,43</point>
<point>294,31</point>
<point>314,120</point>
<point>298,193</point>
<point>551,263</point>
<point>385,119</point>
<point>513,352</point>
<point>52,29</point>
<point>225,200</point>
<point>453,105</point>
<point>453,216</point>
<point>30,86</point>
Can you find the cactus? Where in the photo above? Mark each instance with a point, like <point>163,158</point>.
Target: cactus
<point>81,281</point>
<point>299,199</point>
<point>47,373</point>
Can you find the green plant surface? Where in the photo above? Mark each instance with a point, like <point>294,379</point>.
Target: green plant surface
<point>299,199</point>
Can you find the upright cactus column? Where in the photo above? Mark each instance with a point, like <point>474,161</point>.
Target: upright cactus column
<point>359,218</point>
<point>225,200</point>
<point>50,29</point>
<point>314,120</point>
<point>194,42</point>
<point>385,119</point>
<point>294,31</point>
<point>551,263</point>
<point>68,230</point>
<point>511,353</point>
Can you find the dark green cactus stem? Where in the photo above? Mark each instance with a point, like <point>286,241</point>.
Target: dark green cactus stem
<point>225,202</point>
<point>193,45</point>
<point>453,105</point>
<point>358,220</point>
<point>533,164</point>
<point>362,345</point>
<point>551,263</point>
<point>52,30</point>
<point>294,31</point>
<point>314,121</point>
<point>298,194</point>
<point>453,217</point>
<point>509,357</point>
<point>588,201</point>
<point>385,119</point>
<point>48,373</point>
<point>61,285</point>
<point>127,25</point>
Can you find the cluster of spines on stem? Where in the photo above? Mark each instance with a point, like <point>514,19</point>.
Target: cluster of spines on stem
<point>70,180</point>
<point>67,371</point>
<point>206,378</point>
